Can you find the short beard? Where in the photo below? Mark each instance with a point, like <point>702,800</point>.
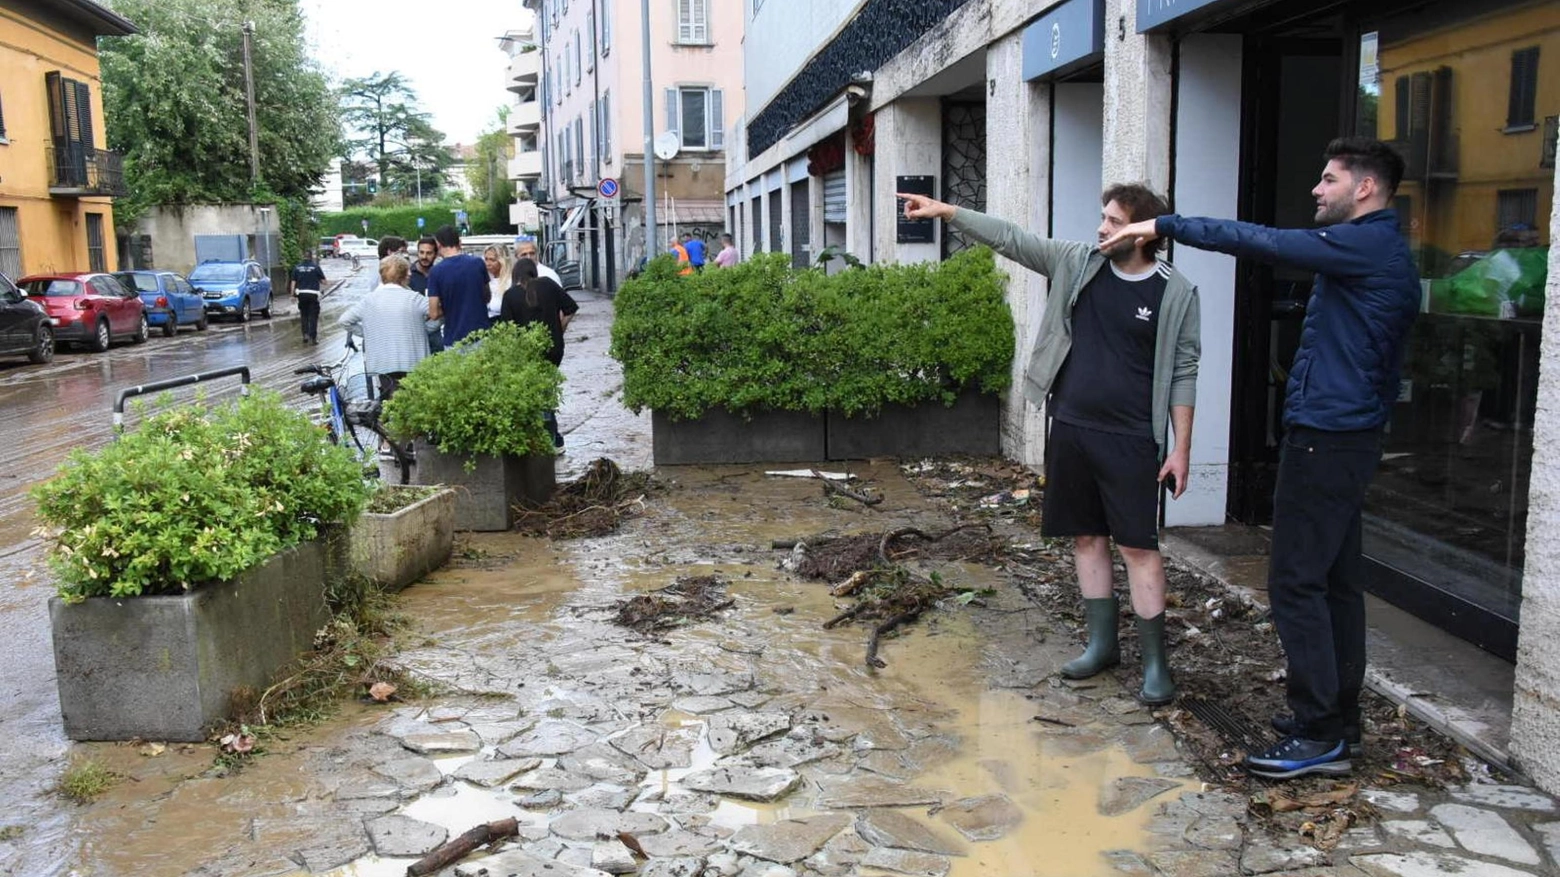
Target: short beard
<point>1333,214</point>
<point>1121,253</point>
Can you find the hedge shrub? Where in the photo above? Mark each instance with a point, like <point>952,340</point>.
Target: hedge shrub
<point>762,335</point>
<point>194,495</point>
<point>485,395</point>
<point>402,221</point>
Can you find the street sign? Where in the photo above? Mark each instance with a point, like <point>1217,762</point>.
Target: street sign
<point>420,222</point>
<point>607,188</point>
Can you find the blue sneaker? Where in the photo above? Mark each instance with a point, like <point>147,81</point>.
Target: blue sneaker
<point>1297,757</point>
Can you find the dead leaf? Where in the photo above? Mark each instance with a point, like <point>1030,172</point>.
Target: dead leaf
<point>632,843</point>
<point>381,691</point>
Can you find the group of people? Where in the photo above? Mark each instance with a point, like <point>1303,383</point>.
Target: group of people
<point>424,305</point>
<point>690,252</point>
<point>1116,365</point>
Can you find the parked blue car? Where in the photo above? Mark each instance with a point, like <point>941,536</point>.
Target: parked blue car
<point>170,300</point>
<point>233,289</point>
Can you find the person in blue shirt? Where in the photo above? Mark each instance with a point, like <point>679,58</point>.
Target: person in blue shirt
<point>1341,390</point>
<point>695,248</point>
<point>457,289</point>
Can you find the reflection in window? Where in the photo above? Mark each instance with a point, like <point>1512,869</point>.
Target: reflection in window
<point>1449,504</point>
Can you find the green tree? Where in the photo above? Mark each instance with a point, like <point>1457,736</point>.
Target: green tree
<point>489,169</point>
<point>386,131</point>
<point>175,103</point>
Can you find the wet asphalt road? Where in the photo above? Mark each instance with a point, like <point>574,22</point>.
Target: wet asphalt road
<point>49,410</point>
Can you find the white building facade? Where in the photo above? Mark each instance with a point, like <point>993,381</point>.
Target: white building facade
<point>592,125</point>
<point>1026,109</point>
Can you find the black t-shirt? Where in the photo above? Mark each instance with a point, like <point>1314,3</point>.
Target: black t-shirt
<point>308,276</point>
<point>551,304</point>
<point>1107,382</point>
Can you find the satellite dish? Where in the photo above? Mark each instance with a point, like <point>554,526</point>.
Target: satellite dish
<point>666,145</point>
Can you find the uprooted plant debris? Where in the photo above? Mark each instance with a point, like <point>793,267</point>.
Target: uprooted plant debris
<point>684,601</point>
<point>868,566</point>
<point>594,504</point>
<point>986,487</point>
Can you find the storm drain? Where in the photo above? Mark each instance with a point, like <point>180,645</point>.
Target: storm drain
<point>1232,729</point>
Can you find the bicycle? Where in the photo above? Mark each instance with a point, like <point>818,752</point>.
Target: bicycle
<point>352,418</point>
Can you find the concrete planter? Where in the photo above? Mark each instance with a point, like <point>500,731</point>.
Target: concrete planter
<point>486,496</point>
<point>971,426</point>
<point>165,667</point>
<point>396,549</point>
<point>721,437</point>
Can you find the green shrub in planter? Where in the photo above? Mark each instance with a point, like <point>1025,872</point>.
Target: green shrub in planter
<point>194,495</point>
<point>762,335</point>
<point>484,396</point>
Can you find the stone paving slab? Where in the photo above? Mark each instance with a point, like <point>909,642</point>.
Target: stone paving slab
<point>516,863</point>
<point>404,836</point>
<point>1485,832</point>
<point>1421,863</point>
<point>788,841</point>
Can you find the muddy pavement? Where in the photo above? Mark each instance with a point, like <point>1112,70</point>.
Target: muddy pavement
<point>753,740</point>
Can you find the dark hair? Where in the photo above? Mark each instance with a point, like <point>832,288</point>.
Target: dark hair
<point>447,236</point>
<point>1141,203</point>
<point>524,274</point>
<point>390,244</point>
<point>1368,157</point>
<point>427,239</point>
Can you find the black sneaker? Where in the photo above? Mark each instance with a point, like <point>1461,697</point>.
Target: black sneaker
<point>1285,724</point>
<point>1297,757</point>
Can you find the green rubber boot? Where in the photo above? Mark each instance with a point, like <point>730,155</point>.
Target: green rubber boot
<point>1158,687</point>
<point>1103,651</point>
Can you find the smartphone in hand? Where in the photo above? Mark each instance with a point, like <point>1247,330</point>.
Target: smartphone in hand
<point>1170,483</point>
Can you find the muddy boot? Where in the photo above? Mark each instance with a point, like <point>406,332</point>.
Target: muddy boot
<point>1103,650</point>
<point>1158,687</point>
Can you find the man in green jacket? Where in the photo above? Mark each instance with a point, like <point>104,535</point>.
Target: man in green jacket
<point>1115,365</point>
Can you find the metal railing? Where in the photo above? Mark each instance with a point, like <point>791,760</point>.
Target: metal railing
<point>82,170</point>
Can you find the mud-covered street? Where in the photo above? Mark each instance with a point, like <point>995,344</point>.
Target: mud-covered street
<point>750,739</point>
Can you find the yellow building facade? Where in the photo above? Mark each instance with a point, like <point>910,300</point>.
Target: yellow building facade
<point>1475,114</point>
<point>57,181</point>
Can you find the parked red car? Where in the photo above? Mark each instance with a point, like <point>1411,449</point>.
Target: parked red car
<point>88,308</point>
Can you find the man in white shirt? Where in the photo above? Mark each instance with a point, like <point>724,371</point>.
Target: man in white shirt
<point>527,250</point>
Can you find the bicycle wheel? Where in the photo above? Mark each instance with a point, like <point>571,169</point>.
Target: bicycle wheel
<point>363,442</point>
<point>399,456</point>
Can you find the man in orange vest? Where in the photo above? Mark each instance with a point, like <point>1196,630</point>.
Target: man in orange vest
<point>681,252</point>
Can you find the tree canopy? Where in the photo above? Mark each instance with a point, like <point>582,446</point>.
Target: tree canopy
<point>175,103</point>
<point>387,131</point>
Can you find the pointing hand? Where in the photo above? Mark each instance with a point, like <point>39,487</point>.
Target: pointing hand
<point>922,207</point>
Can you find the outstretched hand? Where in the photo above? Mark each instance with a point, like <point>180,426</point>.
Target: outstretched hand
<point>922,207</point>
<point>1136,234</point>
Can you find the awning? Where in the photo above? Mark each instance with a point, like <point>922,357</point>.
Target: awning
<point>572,221</point>
<point>690,212</point>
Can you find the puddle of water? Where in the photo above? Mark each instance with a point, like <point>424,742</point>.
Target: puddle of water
<point>458,806</point>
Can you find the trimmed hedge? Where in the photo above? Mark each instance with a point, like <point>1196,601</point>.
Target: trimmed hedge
<point>762,335</point>
<point>402,221</point>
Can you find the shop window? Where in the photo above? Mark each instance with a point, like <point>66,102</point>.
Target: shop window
<point>1450,503</point>
<point>1520,111</point>
<point>693,22</point>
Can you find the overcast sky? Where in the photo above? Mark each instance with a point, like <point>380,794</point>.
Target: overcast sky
<point>447,50</point>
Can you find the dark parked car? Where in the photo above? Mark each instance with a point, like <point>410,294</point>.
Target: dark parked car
<point>233,289</point>
<point>25,329</point>
<point>87,308</point>
<point>170,300</point>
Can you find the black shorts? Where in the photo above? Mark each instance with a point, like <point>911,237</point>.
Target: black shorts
<point>1101,484</point>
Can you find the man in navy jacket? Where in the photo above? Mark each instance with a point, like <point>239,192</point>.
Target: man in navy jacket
<point>1340,394</point>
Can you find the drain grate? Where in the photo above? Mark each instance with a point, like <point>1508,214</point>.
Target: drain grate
<point>1233,729</point>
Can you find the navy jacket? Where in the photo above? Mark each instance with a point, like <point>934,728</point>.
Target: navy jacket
<point>1363,303</point>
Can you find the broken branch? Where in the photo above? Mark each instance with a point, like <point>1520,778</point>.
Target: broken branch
<point>832,489</point>
<point>458,848</point>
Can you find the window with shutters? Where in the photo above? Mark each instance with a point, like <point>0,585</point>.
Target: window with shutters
<point>10,243</point>
<point>561,79</point>
<point>693,22</point>
<point>1516,209</point>
<point>590,28</point>
<point>595,136</point>
<point>606,29</point>
<point>697,115</point>
<point>1520,107</point>
<point>578,68</point>
<point>606,126</point>
<point>579,145</point>
<point>70,128</point>
<point>2,121</point>
<point>97,256</point>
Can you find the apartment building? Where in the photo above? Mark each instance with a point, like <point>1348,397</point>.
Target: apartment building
<point>56,181</point>
<point>591,124</point>
<point>1027,108</point>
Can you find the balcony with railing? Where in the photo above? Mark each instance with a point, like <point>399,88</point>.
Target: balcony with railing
<point>525,166</point>
<point>77,170</point>
<point>525,118</point>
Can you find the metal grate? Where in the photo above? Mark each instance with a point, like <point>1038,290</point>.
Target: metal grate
<point>1233,729</point>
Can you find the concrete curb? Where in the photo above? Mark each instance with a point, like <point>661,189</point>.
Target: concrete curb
<point>1447,720</point>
